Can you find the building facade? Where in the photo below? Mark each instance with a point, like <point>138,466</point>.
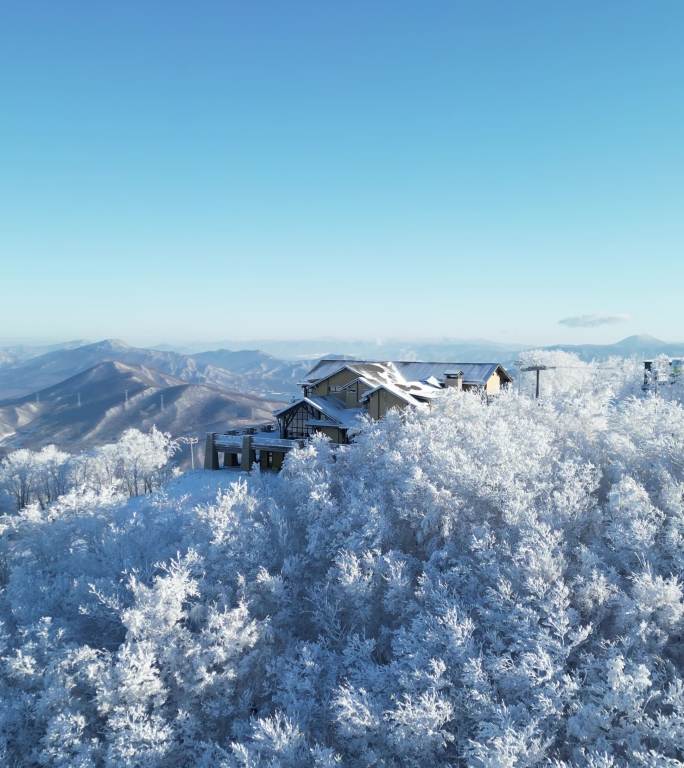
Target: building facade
<point>337,394</point>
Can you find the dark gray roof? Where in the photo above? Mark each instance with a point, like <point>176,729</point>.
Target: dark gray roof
<point>473,373</point>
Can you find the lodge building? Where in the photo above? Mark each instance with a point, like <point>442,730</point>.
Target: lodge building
<point>337,394</point>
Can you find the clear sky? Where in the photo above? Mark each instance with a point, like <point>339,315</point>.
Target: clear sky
<point>212,170</point>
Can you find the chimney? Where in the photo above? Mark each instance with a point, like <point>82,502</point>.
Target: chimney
<point>453,379</point>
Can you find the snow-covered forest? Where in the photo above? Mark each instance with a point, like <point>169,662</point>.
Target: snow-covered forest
<point>136,463</point>
<point>491,585</point>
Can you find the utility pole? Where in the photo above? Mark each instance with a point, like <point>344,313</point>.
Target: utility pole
<point>125,398</point>
<point>537,369</point>
<point>192,442</point>
<point>78,399</point>
<point>162,402</point>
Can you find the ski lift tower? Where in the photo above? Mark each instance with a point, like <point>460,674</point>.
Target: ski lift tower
<point>538,369</point>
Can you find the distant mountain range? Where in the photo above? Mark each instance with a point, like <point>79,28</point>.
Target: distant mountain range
<point>633,346</point>
<point>96,405</point>
<point>249,371</point>
<point>458,349</point>
<point>11,354</point>
<point>77,396</point>
<point>391,349</point>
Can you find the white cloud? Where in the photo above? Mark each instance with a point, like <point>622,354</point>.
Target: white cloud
<point>592,321</point>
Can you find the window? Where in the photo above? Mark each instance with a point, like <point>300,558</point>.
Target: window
<point>294,424</point>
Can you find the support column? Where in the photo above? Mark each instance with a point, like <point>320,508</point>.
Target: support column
<point>211,459</point>
<point>278,460</point>
<point>247,453</point>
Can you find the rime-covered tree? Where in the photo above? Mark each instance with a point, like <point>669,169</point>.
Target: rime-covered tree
<point>476,584</point>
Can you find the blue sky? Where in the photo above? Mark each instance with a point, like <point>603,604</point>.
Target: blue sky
<point>176,171</point>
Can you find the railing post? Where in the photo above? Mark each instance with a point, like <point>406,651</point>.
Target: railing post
<point>246,463</point>
<point>211,460</point>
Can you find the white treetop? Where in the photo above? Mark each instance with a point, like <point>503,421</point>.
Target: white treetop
<point>490,585</point>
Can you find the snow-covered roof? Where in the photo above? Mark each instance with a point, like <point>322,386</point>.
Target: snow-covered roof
<point>473,373</point>
<point>330,407</point>
<point>401,372</point>
<point>412,382</point>
<point>396,391</point>
<point>369,370</point>
<point>334,409</point>
<point>358,379</point>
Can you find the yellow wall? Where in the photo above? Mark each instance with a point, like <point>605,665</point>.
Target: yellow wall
<point>493,385</point>
<point>362,389</point>
<point>381,401</point>
<point>336,380</point>
<point>354,393</point>
<point>336,435</point>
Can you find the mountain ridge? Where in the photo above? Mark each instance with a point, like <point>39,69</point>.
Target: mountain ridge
<point>95,406</point>
<point>642,345</point>
<point>265,376</point>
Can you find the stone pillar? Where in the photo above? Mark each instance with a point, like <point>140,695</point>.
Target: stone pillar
<point>247,453</point>
<point>211,459</point>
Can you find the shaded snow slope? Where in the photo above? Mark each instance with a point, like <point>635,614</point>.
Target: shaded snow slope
<point>97,405</point>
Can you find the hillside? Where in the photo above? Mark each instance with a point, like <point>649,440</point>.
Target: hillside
<point>254,370</point>
<point>253,373</point>
<point>46,370</point>
<point>115,396</point>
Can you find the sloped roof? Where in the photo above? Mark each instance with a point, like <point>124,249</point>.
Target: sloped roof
<point>473,373</point>
<point>396,391</point>
<point>330,407</point>
<point>400,372</point>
